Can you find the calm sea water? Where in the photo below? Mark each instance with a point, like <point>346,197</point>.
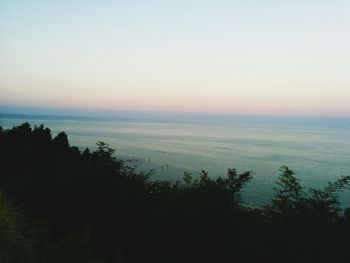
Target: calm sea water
<point>318,150</point>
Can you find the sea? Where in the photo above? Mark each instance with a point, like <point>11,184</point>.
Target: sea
<point>316,149</point>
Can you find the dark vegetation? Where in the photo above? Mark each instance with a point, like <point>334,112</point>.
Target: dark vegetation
<point>58,204</point>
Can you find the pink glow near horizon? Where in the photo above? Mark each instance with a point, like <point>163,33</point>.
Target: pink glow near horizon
<point>262,59</point>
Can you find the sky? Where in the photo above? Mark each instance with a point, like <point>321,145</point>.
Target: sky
<point>282,57</point>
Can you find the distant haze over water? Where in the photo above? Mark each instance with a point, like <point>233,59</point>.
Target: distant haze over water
<point>317,149</point>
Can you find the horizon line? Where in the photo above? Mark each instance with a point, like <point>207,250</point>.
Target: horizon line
<point>98,113</point>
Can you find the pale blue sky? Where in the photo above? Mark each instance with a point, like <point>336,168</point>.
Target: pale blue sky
<point>240,57</point>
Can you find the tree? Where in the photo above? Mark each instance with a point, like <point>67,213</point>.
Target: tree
<point>324,204</point>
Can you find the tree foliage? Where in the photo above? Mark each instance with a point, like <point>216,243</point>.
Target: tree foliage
<point>69,205</point>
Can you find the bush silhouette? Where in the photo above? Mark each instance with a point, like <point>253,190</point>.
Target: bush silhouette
<point>89,206</point>
<point>17,243</point>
